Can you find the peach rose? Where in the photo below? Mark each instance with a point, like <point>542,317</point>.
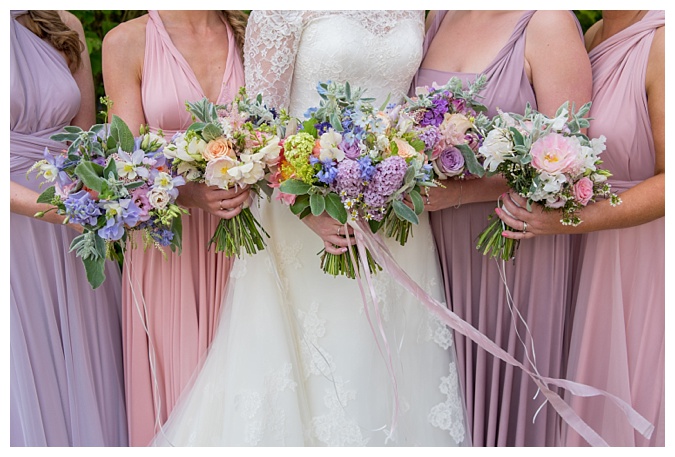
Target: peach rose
<point>217,148</point>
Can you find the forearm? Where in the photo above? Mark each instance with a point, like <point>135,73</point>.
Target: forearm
<point>24,201</point>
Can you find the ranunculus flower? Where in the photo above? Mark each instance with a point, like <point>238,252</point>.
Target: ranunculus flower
<point>449,163</point>
<point>158,198</point>
<point>583,190</point>
<point>496,148</point>
<point>556,154</point>
<point>218,148</point>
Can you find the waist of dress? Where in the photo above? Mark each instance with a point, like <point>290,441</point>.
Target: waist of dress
<point>26,149</point>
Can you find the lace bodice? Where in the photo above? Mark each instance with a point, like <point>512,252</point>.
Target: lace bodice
<point>288,52</point>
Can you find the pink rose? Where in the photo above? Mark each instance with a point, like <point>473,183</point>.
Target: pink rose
<point>583,190</point>
<point>556,154</point>
<point>217,148</point>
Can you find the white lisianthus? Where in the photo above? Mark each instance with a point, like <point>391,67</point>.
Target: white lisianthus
<point>158,198</point>
<point>181,149</point>
<point>496,147</point>
<point>328,143</point>
<point>195,148</point>
<point>598,144</point>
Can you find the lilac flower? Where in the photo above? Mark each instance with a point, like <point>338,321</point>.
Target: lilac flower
<point>348,182</point>
<point>82,209</point>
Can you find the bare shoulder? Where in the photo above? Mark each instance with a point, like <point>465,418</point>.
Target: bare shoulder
<point>656,64</point>
<point>552,22</point>
<point>72,21</point>
<point>129,35</point>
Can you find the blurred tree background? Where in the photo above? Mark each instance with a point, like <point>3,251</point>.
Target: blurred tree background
<point>97,23</point>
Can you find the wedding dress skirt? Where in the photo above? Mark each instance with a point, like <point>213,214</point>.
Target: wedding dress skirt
<point>302,358</point>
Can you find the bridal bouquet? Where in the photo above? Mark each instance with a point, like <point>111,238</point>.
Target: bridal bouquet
<point>547,161</point>
<point>112,183</point>
<point>229,146</point>
<point>450,122</point>
<point>349,160</point>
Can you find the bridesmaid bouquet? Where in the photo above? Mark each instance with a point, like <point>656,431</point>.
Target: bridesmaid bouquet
<point>349,160</point>
<point>451,123</point>
<point>112,183</point>
<point>547,161</point>
<point>229,146</point>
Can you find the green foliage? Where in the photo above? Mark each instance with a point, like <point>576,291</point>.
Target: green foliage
<point>588,17</point>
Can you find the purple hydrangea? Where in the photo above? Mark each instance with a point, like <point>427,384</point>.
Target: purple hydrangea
<point>82,209</point>
<point>387,179</point>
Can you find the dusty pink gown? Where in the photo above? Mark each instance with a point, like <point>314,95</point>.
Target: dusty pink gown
<point>499,397</point>
<point>178,298</point>
<point>618,333</point>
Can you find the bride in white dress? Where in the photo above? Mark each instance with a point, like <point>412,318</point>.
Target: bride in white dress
<point>295,361</point>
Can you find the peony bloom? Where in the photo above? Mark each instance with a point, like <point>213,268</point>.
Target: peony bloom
<point>556,154</point>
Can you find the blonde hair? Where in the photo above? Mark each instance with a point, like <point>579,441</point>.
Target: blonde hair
<point>237,20</point>
<point>48,25</point>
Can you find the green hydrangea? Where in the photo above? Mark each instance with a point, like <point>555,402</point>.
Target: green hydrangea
<point>297,150</point>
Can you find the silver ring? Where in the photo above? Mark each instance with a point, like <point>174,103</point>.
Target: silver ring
<point>524,227</point>
<point>220,205</point>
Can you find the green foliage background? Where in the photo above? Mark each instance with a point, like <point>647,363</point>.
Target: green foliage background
<point>97,23</point>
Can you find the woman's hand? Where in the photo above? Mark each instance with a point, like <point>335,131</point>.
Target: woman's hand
<point>224,204</point>
<point>528,224</point>
<point>331,232</point>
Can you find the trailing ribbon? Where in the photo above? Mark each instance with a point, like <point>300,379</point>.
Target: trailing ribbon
<point>365,239</point>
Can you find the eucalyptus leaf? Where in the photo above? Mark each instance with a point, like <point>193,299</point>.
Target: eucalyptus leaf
<point>121,132</point>
<point>95,269</point>
<point>212,131</point>
<point>90,174</point>
<point>470,160</point>
<point>417,201</point>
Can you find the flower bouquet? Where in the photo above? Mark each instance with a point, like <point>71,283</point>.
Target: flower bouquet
<point>349,160</point>
<point>229,146</point>
<point>112,183</point>
<point>450,122</point>
<point>547,161</point>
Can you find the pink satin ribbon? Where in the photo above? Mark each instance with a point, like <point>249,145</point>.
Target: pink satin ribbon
<point>366,240</point>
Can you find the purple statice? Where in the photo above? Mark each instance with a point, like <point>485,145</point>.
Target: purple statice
<point>82,209</point>
<point>434,115</point>
<point>348,182</point>
<point>387,179</point>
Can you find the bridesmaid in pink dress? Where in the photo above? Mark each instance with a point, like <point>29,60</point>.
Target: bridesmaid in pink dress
<point>618,332</point>
<point>527,56</point>
<point>152,65</point>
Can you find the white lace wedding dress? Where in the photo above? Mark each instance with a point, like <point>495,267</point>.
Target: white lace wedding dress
<point>295,360</point>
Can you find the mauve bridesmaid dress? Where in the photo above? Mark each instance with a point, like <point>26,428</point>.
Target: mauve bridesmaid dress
<point>500,398</point>
<point>66,382</point>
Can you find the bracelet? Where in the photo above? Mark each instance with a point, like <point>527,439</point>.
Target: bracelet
<point>459,201</point>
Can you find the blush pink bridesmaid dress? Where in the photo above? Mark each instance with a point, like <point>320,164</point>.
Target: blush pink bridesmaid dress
<point>177,298</point>
<point>618,332</point>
